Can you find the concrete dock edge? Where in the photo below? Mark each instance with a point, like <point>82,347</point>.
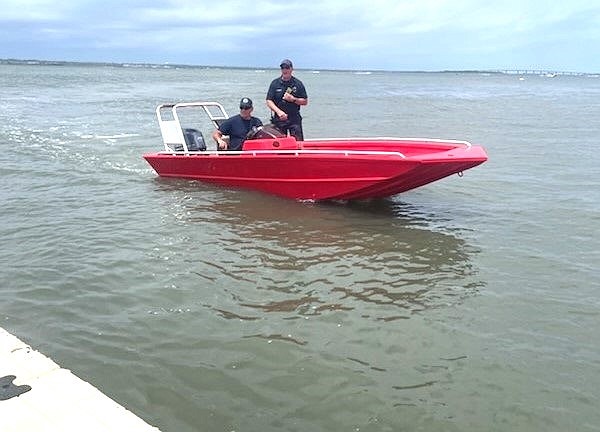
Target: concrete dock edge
<point>36,395</point>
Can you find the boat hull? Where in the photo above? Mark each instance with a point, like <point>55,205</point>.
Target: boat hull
<point>326,169</point>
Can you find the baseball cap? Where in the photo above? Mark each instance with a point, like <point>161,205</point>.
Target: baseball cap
<point>286,62</point>
<point>245,103</point>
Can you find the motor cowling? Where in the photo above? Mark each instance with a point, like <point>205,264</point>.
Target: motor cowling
<point>194,139</point>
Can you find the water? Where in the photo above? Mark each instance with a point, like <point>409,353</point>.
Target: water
<point>470,304</point>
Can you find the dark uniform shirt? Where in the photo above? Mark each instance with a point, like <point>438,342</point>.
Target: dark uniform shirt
<point>237,128</point>
<point>279,87</point>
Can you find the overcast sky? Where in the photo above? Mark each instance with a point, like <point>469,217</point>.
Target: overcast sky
<point>324,34</point>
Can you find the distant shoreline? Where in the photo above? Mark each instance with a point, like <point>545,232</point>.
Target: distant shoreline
<point>32,62</point>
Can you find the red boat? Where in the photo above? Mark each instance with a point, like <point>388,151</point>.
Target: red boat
<point>316,169</point>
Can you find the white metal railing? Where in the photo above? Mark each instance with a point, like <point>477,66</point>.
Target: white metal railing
<point>296,152</point>
<point>419,140</point>
<point>170,129</point>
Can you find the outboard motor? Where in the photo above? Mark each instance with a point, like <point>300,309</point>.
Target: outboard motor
<point>194,139</point>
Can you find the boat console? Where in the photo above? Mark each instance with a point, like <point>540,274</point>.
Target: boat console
<point>283,143</point>
<point>268,137</point>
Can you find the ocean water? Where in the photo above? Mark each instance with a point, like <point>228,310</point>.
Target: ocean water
<point>470,304</point>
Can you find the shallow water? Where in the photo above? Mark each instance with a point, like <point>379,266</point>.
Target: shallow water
<point>470,304</point>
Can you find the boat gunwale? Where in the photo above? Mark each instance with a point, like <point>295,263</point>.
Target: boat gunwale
<point>419,141</point>
<point>294,152</point>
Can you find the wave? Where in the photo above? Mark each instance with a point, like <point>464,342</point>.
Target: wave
<point>116,136</point>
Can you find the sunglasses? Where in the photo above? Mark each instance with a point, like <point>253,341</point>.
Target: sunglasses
<point>245,107</point>
<point>285,67</point>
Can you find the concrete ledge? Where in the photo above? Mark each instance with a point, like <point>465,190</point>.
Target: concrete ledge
<point>57,400</point>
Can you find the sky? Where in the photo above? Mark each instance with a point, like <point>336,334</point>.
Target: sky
<point>399,35</point>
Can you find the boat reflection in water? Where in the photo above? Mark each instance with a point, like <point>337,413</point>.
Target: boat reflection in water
<point>271,255</point>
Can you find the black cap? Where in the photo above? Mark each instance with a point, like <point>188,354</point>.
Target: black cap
<point>286,62</point>
<point>245,103</point>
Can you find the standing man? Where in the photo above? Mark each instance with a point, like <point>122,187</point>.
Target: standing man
<point>285,96</point>
<point>237,127</point>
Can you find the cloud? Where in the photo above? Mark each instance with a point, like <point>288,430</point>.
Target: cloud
<point>379,34</point>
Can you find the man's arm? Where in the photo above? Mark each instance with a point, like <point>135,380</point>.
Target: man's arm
<point>218,137</point>
<point>293,99</point>
<point>278,112</point>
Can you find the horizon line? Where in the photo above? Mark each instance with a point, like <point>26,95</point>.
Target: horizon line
<point>524,71</point>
